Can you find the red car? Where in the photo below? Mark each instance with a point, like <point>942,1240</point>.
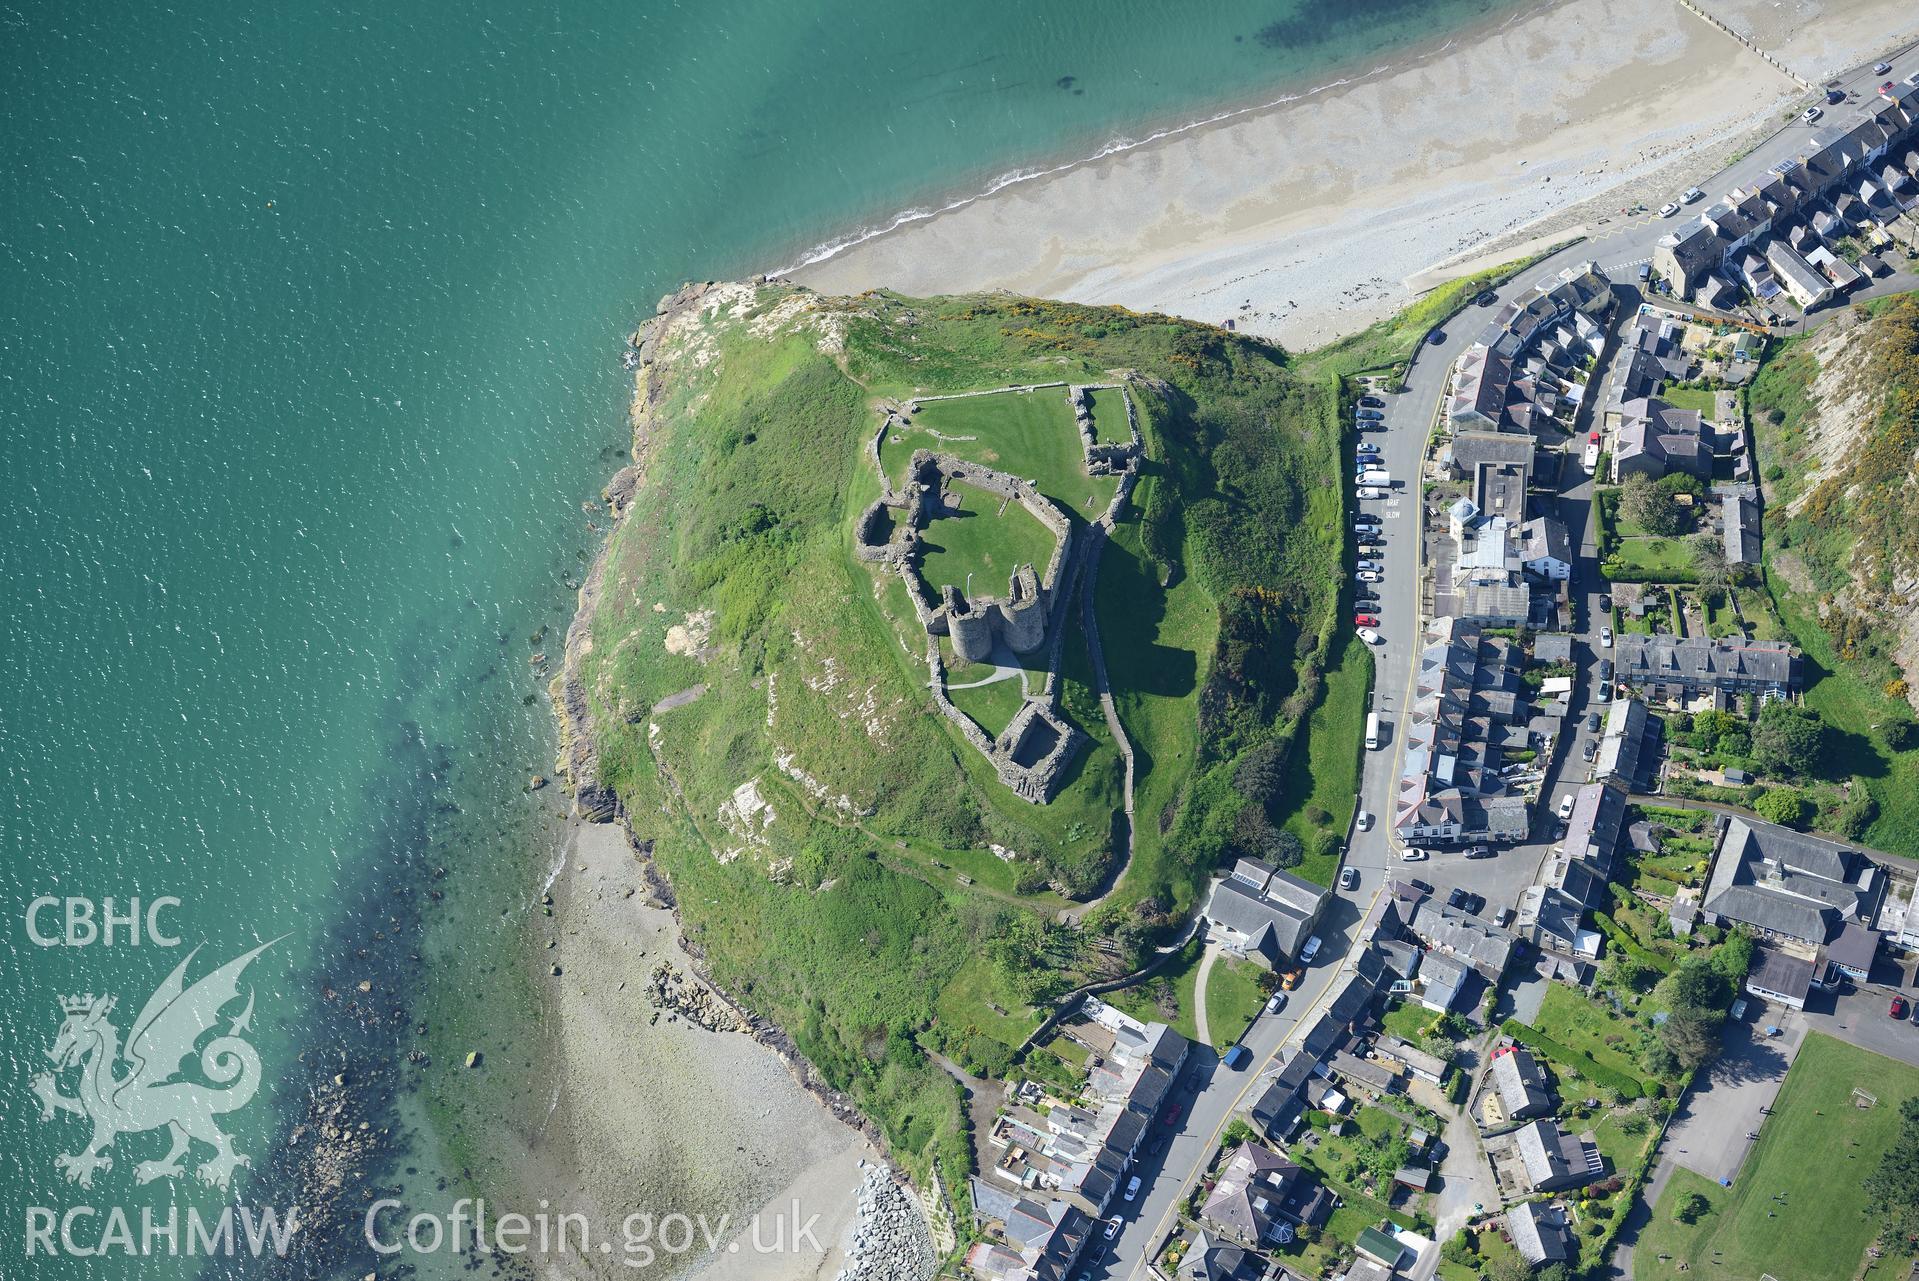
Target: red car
<point>1365,620</point>
<point>1172,1115</point>
<point>1899,1007</point>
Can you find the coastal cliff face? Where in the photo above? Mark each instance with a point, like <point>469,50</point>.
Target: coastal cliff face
<point>751,698</point>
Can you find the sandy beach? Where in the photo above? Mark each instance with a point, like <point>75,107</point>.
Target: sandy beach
<point>1315,218</point>
<point>663,1117</point>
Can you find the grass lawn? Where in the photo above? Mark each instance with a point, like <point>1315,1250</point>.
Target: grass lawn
<point>978,548</point>
<point>992,705</point>
<point>1408,1021</point>
<point>1029,434</point>
<point>1233,997</point>
<point>1689,398</point>
<point>1576,1021</point>
<point>1796,1209</point>
<point>1661,557</point>
<point>1109,417</point>
<point>1325,777</point>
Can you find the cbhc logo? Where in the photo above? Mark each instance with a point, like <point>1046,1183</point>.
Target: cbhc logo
<point>80,922</point>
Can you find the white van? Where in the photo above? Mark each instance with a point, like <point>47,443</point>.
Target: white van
<point>1373,738</point>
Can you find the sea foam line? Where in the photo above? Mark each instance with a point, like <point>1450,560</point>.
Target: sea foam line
<point>833,248</point>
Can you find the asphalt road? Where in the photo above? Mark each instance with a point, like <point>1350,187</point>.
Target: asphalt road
<point>1209,1098</point>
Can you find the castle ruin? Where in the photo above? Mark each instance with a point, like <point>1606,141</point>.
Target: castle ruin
<point>1031,754</point>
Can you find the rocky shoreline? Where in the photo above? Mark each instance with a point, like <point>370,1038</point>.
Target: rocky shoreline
<point>892,1227</point>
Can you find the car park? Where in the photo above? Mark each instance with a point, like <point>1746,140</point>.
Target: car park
<point>1348,878</point>
<point>1668,210</point>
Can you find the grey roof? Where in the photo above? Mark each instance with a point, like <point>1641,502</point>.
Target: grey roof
<point>1854,949</point>
<point>1700,663</point>
<point>1555,1159</point>
<point>1779,973</point>
<point>1247,1195</point>
<point>1739,520</point>
<point>1545,538</point>
<point>1441,978</point>
<point>1473,449</point>
<point>1479,943</point>
<point>1787,882</point>
<point>1365,1071</point>
<point>1276,1110</point>
<point>1412,1056</point>
<point>1521,1084</point>
<point>1269,923</point>
<point>1540,1233</point>
<point>1553,647</point>
<point>1592,830</point>
<point>1622,749</point>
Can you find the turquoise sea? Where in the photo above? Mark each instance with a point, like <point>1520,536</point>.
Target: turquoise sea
<point>309,333</point>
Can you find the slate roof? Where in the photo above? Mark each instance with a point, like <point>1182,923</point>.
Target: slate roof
<point>1854,949</point>
<point>1592,830</point>
<point>1622,748</point>
<point>1521,1084</point>
<point>1545,538</point>
<point>1540,1233</point>
<point>1479,943</point>
<point>1788,882</point>
<point>1555,1159</point>
<point>1700,663</point>
<point>1779,973</point>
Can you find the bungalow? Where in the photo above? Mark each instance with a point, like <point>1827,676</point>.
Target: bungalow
<point>1554,1160</point>
<point>1541,1233</point>
<point>1519,1088</point>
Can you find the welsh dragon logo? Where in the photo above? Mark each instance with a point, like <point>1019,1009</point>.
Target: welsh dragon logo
<point>138,1087</point>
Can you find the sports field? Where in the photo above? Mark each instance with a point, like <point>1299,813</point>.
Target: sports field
<point>1796,1211</point>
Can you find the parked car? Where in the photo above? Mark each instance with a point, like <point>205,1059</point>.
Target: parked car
<point>1370,492</point>
<point>1372,402</point>
<point>1912,80</point>
<point>1348,878</point>
<point>1365,620</point>
<point>1307,953</point>
<point>1835,96</point>
<point>1372,549</point>
<point>1592,722</point>
<point>1458,898</point>
<point>1436,337</point>
<point>1413,854</point>
<point>1479,851</point>
<point>1692,194</point>
<point>1486,298</point>
<point>1602,693</point>
<point>1370,564</point>
<point>1366,447</point>
<point>1366,600</point>
<point>1363,821</point>
<point>1171,1115</point>
<point>1881,68</point>
<point>1421,886</point>
<point>1605,601</point>
<point>1811,114</point>
<point>1605,638</point>
<point>1669,209</point>
<point>1370,636</point>
<point>1590,750</point>
<point>1235,1059</point>
<point>1132,1186</point>
<point>1899,1007</point>
<point>1369,415</point>
<point>1605,670</point>
<point>1565,810</point>
<point>1276,1003</point>
<point>1113,1225</point>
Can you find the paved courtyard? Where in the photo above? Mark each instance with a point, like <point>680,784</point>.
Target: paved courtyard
<point>1708,1134</point>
